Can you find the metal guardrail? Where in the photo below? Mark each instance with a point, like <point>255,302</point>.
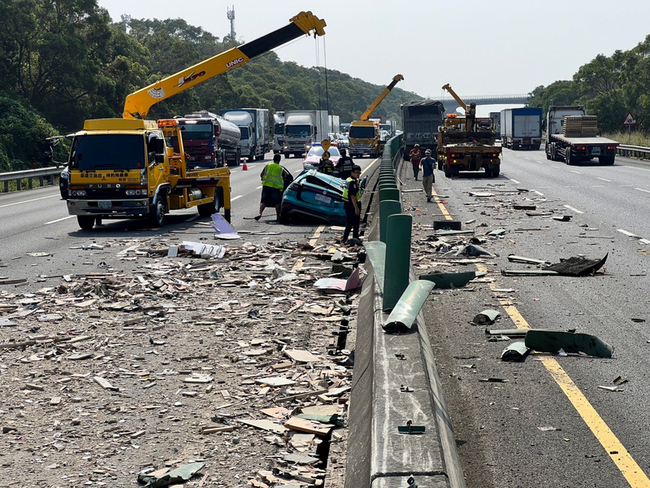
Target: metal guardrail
<point>638,152</point>
<point>43,174</point>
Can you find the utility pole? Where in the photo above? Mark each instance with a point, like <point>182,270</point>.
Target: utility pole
<point>231,17</point>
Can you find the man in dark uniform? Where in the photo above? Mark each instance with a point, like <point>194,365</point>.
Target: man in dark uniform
<point>344,167</point>
<point>352,206</point>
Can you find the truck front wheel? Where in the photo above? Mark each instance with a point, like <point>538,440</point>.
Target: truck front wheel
<point>86,222</point>
<point>157,213</point>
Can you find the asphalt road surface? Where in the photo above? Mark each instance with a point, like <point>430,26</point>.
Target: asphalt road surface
<point>40,241</point>
<point>545,421</point>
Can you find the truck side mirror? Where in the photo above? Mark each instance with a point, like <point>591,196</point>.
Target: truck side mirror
<point>160,147</point>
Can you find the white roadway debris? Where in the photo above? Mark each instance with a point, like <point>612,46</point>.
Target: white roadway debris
<point>208,356</point>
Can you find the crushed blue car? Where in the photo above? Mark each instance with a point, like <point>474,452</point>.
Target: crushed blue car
<point>314,196</point>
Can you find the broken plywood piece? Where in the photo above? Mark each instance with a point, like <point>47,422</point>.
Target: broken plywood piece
<point>301,356</point>
<point>104,383</point>
<point>265,425</point>
<point>308,426</point>
<point>275,381</point>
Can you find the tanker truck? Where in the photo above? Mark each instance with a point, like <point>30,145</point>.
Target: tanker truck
<point>210,141</point>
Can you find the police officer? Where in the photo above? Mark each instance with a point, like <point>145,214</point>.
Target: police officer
<point>325,165</point>
<point>352,206</point>
<point>344,167</point>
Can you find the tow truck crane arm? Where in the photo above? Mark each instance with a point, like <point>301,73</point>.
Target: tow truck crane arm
<point>382,95</point>
<point>470,111</point>
<point>137,104</point>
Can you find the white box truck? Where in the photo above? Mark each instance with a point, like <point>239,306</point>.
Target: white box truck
<point>302,128</point>
<point>255,130</point>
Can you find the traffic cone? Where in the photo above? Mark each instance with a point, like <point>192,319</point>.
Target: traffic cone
<point>245,167</point>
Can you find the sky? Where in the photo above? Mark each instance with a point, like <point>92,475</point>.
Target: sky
<point>496,47</point>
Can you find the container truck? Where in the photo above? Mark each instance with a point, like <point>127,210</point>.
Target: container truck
<point>421,119</point>
<point>254,126</point>
<point>210,141</point>
<point>334,124</point>
<point>495,119</point>
<point>521,128</point>
<point>278,132</point>
<point>302,128</point>
<point>572,137</point>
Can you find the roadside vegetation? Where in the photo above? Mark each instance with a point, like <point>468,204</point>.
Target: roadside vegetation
<point>634,138</point>
<point>609,87</point>
<point>66,61</point>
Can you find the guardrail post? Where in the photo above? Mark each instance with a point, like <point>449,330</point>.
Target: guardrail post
<point>398,258</point>
<point>388,194</point>
<point>386,209</point>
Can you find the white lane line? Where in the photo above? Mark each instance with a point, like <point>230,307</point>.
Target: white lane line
<point>573,209</point>
<point>27,201</point>
<point>235,198</point>
<point>629,234</point>
<point>644,241</point>
<point>59,220</point>
<point>538,192</point>
<point>605,179</point>
<point>514,181</point>
<point>258,187</point>
<point>576,172</point>
<point>641,189</point>
<point>192,219</point>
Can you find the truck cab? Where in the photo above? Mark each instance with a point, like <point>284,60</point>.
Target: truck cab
<point>124,168</point>
<point>365,139</point>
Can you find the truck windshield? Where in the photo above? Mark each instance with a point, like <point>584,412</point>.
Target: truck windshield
<point>196,131</point>
<point>297,130</point>
<point>362,132</point>
<point>108,151</point>
<point>244,133</point>
<point>279,129</point>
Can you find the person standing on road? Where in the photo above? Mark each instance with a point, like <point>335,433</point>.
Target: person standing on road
<point>344,167</point>
<point>415,155</point>
<point>325,165</point>
<point>272,185</point>
<point>428,178</point>
<point>352,206</point>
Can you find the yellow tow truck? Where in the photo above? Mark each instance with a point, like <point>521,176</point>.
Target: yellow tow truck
<point>132,167</point>
<point>467,143</point>
<point>365,135</point>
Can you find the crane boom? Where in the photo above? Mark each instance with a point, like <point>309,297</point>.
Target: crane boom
<point>456,97</point>
<point>382,95</point>
<point>137,104</point>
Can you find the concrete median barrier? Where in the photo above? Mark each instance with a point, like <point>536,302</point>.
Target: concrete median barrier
<point>400,433</point>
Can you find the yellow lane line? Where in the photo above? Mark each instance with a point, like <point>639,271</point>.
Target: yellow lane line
<point>617,452</point>
<point>626,464</point>
<point>441,206</point>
